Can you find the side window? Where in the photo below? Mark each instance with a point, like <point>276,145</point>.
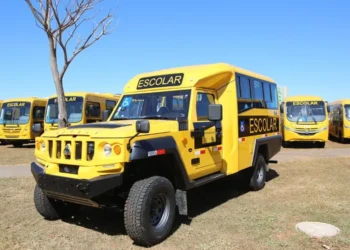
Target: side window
<point>110,105</point>
<point>202,106</point>
<point>93,109</point>
<point>38,112</point>
<point>267,92</point>
<point>258,90</point>
<point>244,84</point>
<point>274,99</point>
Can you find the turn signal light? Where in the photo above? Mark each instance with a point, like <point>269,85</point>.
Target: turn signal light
<point>117,149</point>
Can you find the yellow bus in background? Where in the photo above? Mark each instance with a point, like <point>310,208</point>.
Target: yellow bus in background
<point>339,120</point>
<point>304,119</point>
<point>82,108</point>
<point>17,118</point>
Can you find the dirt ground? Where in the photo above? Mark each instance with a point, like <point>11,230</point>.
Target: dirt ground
<point>15,156</point>
<point>223,215</point>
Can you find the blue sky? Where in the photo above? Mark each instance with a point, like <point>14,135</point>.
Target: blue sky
<point>304,45</point>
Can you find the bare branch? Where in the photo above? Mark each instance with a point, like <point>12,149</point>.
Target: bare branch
<point>37,15</point>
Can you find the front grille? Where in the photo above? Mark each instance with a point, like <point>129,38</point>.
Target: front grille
<point>71,150</point>
<point>11,136</point>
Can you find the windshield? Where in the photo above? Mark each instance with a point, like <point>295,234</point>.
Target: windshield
<point>172,105</point>
<point>74,109</point>
<point>306,111</point>
<point>15,113</point>
<point>347,111</point>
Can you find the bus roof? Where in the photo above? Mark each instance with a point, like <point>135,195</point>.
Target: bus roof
<point>26,99</point>
<point>84,94</point>
<point>303,98</point>
<point>342,101</point>
<point>210,76</point>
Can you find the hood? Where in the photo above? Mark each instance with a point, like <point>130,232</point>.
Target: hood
<point>113,129</point>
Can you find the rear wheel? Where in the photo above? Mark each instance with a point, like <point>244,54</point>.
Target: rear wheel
<point>150,211</point>
<point>258,177</point>
<point>17,144</point>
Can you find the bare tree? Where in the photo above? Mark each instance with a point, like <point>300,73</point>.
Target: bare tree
<point>61,22</point>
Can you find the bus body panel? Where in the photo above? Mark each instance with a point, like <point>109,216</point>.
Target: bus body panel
<point>76,103</point>
<point>339,119</point>
<point>18,116</point>
<point>305,119</point>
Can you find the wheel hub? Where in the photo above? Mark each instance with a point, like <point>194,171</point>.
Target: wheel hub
<point>160,209</point>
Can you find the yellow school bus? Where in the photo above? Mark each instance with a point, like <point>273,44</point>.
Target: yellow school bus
<point>305,119</point>
<point>18,117</point>
<point>172,130</point>
<point>82,108</point>
<point>339,120</point>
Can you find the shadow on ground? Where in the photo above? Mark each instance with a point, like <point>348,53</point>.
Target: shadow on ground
<point>200,200</point>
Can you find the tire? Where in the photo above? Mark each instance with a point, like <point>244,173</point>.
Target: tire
<point>258,178</point>
<point>44,206</point>
<point>341,137</point>
<point>17,144</point>
<point>51,209</point>
<point>143,224</point>
<point>321,144</point>
<point>285,144</point>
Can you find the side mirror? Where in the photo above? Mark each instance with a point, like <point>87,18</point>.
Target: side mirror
<point>105,115</point>
<point>215,112</point>
<point>281,108</point>
<point>37,128</point>
<point>142,126</point>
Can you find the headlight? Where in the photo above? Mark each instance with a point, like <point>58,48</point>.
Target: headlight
<point>43,146</point>
<point>325,128</point>
<point>107,149</point>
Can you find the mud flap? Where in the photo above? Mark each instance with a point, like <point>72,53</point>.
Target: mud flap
<point>181,201</point>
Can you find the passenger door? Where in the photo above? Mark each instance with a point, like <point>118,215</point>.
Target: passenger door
<point>206,137</point>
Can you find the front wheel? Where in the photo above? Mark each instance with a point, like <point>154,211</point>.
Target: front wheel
<point>149,211</point>
<point>321,144</point>
<point>51,209</point>
<point>258,178</point>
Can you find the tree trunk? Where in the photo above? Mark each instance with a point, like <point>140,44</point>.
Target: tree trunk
<point>62,110</point>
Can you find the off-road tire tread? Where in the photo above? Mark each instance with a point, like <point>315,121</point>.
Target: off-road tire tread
<point>253,185</point>
<point>133,206</point>
<point>43,205</point>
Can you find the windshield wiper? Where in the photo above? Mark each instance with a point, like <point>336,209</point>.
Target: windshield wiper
<point>155,117</point>
<point>121,118</point>
<point>313,118</point>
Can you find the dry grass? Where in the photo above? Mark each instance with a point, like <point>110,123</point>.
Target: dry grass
<point>14,156</point>
<point>222,215</point>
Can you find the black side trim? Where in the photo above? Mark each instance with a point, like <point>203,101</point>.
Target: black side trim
<point>99,125</point>
<point>141,148</point>
<point>75,187</point>
<point>274,144</point>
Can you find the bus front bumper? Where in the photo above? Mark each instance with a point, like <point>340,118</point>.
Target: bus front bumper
<point>291,136</point>
<point>74,190</point>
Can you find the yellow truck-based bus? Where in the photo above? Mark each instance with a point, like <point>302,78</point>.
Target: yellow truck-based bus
<point>172,130</point>
<point>339,120</point>
<point>81,108</point>
<point>18,117</point>
<point>305,119</point>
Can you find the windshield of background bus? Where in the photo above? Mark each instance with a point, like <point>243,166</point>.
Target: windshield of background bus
<point>172,105</point>
<point>347,111</point>
<point>306,111</point>
<point>74,109</point>
<point>15,113</point>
